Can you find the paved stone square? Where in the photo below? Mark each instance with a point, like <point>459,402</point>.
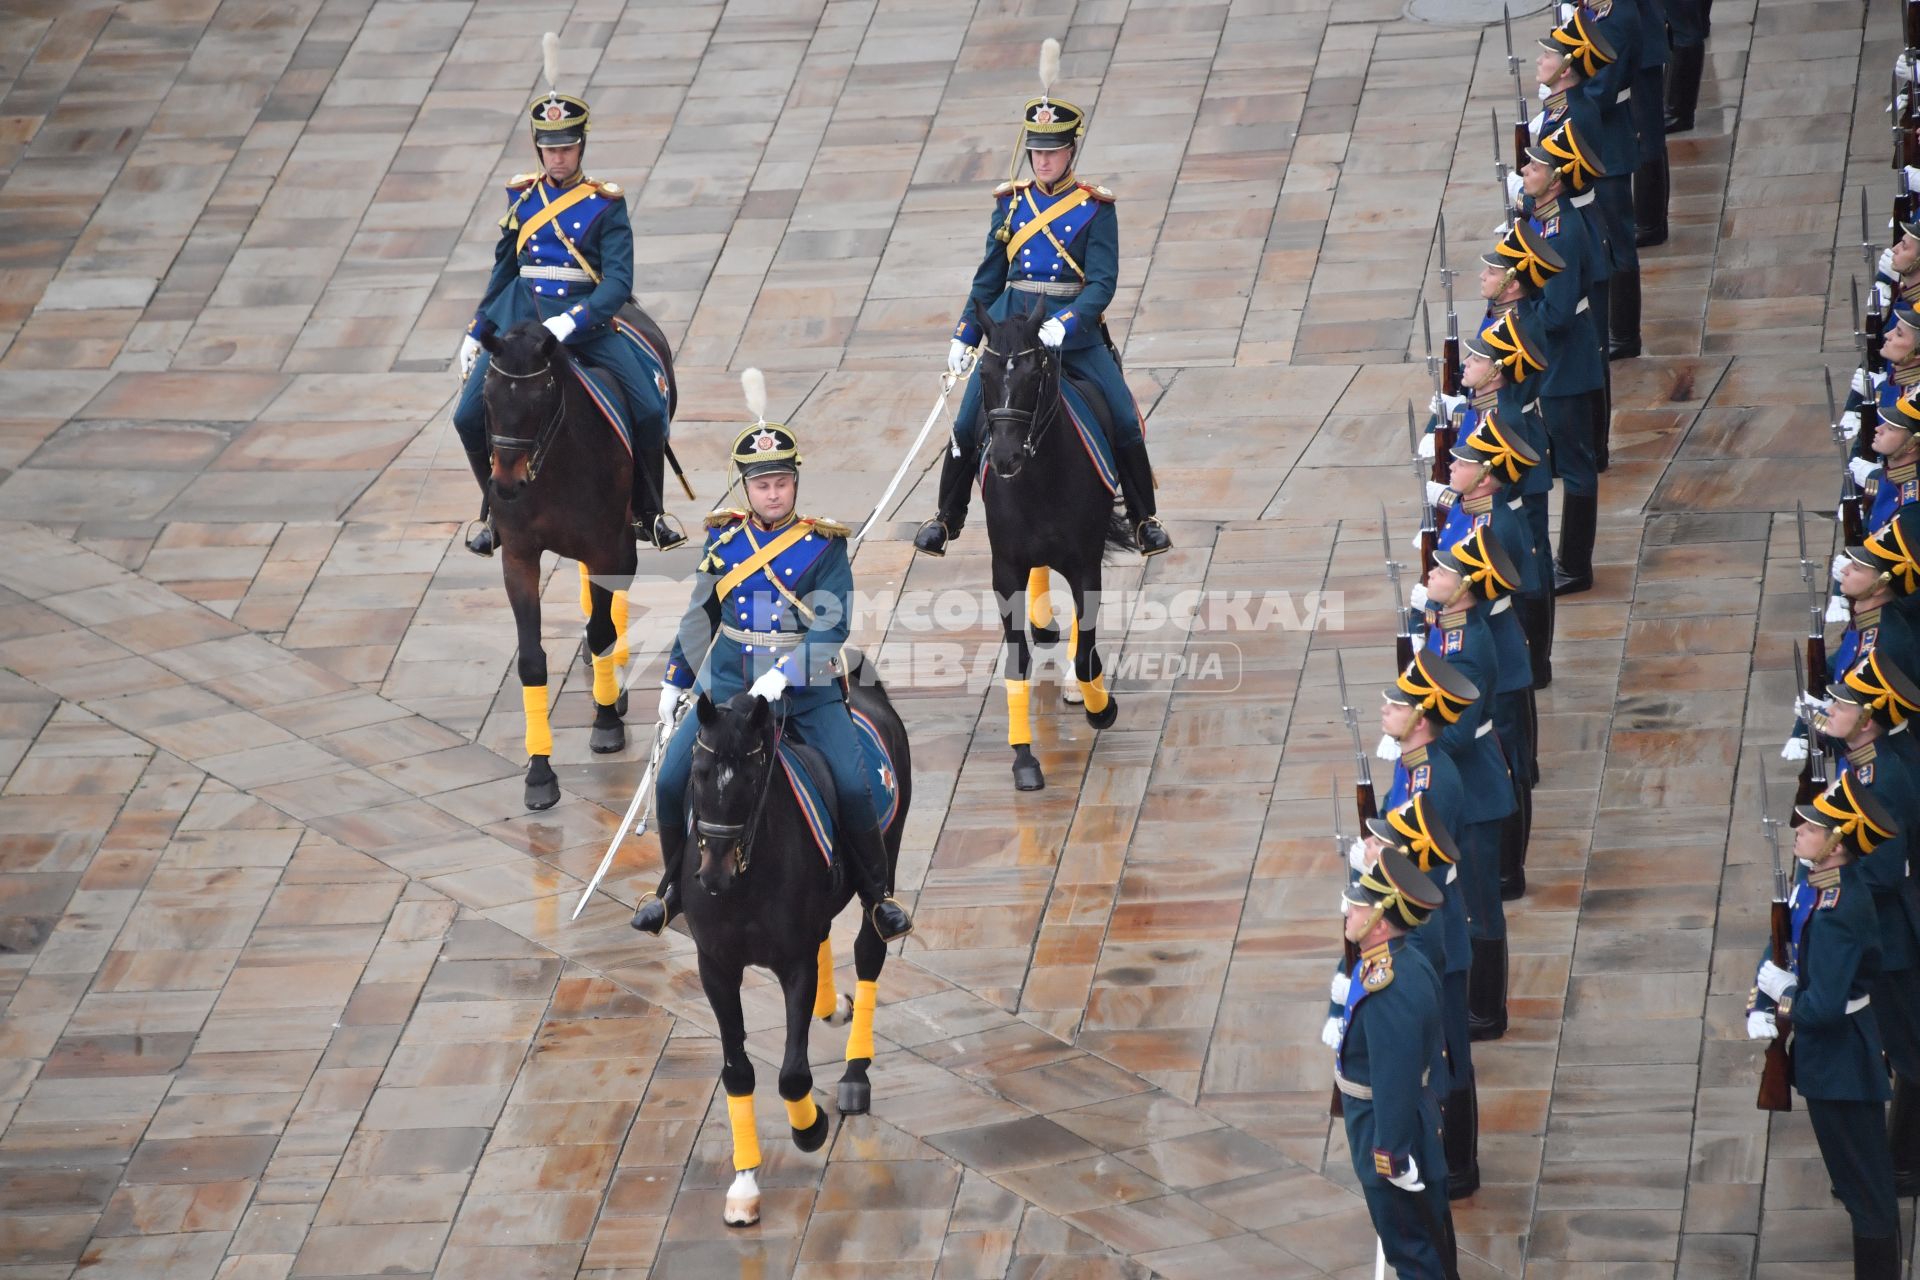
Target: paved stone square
<point>288,980</point>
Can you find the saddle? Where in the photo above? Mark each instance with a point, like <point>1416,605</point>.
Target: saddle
<point>806,772</point>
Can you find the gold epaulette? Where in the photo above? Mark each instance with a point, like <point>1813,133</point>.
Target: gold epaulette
<point>1098,192</point>
<point>721,519</point>
<point>612,189</point>
<point>1009,187</point>
<point>823,525</point>
<point>521,181</point>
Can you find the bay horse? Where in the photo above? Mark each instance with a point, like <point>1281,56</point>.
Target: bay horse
<point>560,482</point>
<point>1047,507</point>
<point>768,898</point>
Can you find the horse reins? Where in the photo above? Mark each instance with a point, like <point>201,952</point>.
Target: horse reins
<point>1026,417</point>
<point>740,833</point>
<point>538,445</point>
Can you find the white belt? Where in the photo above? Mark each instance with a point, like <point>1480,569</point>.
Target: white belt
<point>1581,201</point>
<point>572,275</point>
<point>1364,1092</point>
<point>1514,504</point>
<point>1622,96</point>
<point>1453,873</point>
<point>1052,288</point>
<point>765,639</point>
<point>1858,1003</point>
<point>1486,727</point>
<point>1584,304</point>
<point>1501,605</point>
<point>1531,406</point>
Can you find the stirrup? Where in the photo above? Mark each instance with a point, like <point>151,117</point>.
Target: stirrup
<point>661,531</point>
<point>873,915</point>
<point>933,537</point>
<point>1149,545</point>
<point>666,916</point>
<point>483,540</point>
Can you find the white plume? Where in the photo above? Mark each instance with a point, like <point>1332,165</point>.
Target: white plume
<point>550,56</point>
<point>754,383</point>
<point>1049,63</point>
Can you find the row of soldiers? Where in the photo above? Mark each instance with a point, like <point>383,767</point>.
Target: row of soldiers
<point>1425,976</point>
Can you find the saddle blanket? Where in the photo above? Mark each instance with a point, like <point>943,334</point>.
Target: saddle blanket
<point>813,793</point>
<point>1086,422</point>
<point>605,392</point>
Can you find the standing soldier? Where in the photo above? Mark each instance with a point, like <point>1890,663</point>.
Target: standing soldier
<point>1610,88</point>
<point>1389,1043</point>
<point>1880,390</point>
<point>1649,124</point>
<point>1687,30</point>
<point>1053,242</point>
<point>1836,1052</point>
<point>1573,52</point>
<point>1896,481</point>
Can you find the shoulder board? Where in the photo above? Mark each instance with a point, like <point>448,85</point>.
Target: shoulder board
<point>721,519</point>
<point>1008,188</point>
<point>826,526</point>
<point>1099,193</point>
<point>521,181</point>
<point>1377,974</point>
<point>610,189</point>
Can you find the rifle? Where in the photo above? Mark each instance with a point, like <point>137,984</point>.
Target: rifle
<point>1521,135</point>
<point>1867,326</point>
<point>1442,422</point>
<point>1403,635</point>
<point>1429,527</point>
<point>1853,526</point>
<point>1450,349</point>
<point>1507,210</point>
<point>1776,1092</point>
<point>1363,797</point>
<point>1869,251</point>
<point>1817,616</point>
<point>1903,202</point>
<point>1349,949</point>
<point>1426,337</point>
<point>1813,774</point>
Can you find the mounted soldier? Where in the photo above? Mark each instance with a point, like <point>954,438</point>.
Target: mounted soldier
<point>565,260</point>
<point>1053,244</point>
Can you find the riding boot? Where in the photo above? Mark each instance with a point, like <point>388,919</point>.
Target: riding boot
<point>1876,1258</point>
<point>1573,566</point>
<point>1623,314</point>
<point>1903,1136</point>
<point>1460,1118</point>
<point>957,470</point>
<point>1686,65</point>
<point>1513,845</point>
<point>1601,403</point>
<point>1487,990</point>
<point>866,853</point>
<point>1136,489</point>
<point>484,539</point>
<point>651,524</point>
<point>1650,198</point>
<point>663,904</point>
<point>1537,620</point>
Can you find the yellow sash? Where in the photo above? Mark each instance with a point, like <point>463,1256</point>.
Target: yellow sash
<point>760,559</point>
<point>550,211</point>
<point>1040,220</point>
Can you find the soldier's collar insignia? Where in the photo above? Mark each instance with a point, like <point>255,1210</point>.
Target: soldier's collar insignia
<point>1827,879</point>
<point>1861,755</point>
<point>1376,968</point>
<point>1454,619</point>
<point>1411,756</point>
<point>1903,473</point>
<point>1547,209</point>
<point>1477,506</point>
<point>1485,399</point>
<point>1864,618</point>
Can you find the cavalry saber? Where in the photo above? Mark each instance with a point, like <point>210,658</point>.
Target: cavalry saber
<point>948,381</point>
<point>641,794</point>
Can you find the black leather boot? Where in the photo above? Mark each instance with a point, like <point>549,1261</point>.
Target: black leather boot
<point>1903,1136</point>
<point>484,539</point>
<point>663,904</point>
<point>1513,846</point>
<point>1623,315</point>
<point>1537,621</point>
<point>956,492</point>
<point>1685,65</point>
<point>1136,490</point>
<point>866,854</point>
<point>1650,198</point>
<point>1573,566</point>
<point>1460,1119</point>
<point>650,521</point>
<point>1487,990</point>
<point>1601,403</point>
<point>1876,1258</point>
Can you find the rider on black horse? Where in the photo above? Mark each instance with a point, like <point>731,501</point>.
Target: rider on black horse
<point>565,258</point>
<point>771,610</point>
<point>1054,242</point>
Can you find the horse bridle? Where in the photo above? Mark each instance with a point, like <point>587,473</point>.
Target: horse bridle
<point>1026,417</point>
<point>740,834</point>
<point>538,445</point>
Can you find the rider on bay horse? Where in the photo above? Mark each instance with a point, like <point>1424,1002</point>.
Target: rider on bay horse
<point>565,258</point>
<point>1054,242</point>
<point>771,609</point>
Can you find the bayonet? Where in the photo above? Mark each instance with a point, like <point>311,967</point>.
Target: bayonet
<point>1403,633</point>
<point>1339,824</point>
<point>1868,249</point>
<point>1859,334</point>
<point>1520,115</point>
<point>1833,409</point>
<point>1500,167</point>
<point>1426,338</point>
<point>1776,1090</point>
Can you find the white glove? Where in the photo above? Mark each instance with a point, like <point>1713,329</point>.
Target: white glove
<point>1537,125</point>
<point>561,326</point>
<point>1414,542</point>
<point>1850,424</point>
<point>959,356</point>
<point>1330,1033</point>
<point>1795,750</point>
<point>1445,405</point>
<point>1419,596</point>
<point>1903,69</point>
<point>1419,642</point>
<point>669,702</point>
<point>1434,491</point>
<point>1337,989</point>
<point>1760,1026</point>
<point>1808,707</point>
<point>1410,1180</point>
<point>1389,746</point>
<point>1425,447</point>
<point>1774,980</point>
<point>1883,293</point>
<point>469,352</point>
<point>1840,562</point>
<point>1861,385</point>
<point>1913,174</point>
<point>1860,469</point>
<point>1515,189</point>
<point>1358,860</point>
<point>771,685</point>
<point>1838,610</point>
<point>1053,332</point>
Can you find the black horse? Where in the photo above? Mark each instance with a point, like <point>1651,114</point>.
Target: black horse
<point>560,482</point>
<point>1047,507</point>
<point>770,899</point>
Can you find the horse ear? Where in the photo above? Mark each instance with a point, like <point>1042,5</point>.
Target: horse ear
<point>762,710</point>
<point>980,317</point>
<point>704,708</point>
<point>489,339</point>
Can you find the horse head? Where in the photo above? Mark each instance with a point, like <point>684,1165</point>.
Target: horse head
<point>1017,375</point>
<point>524,403</point>
<point>733,764</point>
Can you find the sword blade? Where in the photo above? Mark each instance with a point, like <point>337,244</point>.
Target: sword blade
<point>947,384</point>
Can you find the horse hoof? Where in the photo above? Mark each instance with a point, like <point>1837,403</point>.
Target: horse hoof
<point>1045,635</point>
<point>620,705</point>
<point>607,739</point>
<point>1027,775</point>
<point>1070,691</point>
<point>855,1097</point>
<point>814,1136</point>
<point>1105,717</point>
<point>842,1011</point>
<point>741,1211</point>
<point>543,795</point>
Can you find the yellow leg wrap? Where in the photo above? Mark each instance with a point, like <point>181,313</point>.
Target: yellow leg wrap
<point>606,680</point>
<point>586,596</point>
<point>1073,637</point>
<point>1019,726</point>
<point>1040,597</point>
<point>619,628</point>
<point>801,1114</point>
<point>746,1139</point>
<point>824,996</point>
<point>860,1036</point>
<point>533,697</point>
<point>1094,692</point>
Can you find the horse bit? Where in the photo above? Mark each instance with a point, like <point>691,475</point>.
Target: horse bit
<point>741,834</point>
<point>540,443</point>
<point>1019,417</point>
